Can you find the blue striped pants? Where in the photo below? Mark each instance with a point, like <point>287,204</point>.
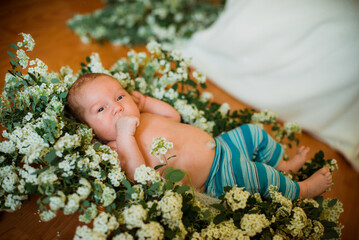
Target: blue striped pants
<point>247,157</point>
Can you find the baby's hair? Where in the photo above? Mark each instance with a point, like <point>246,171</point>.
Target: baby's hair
<point>73,105</point>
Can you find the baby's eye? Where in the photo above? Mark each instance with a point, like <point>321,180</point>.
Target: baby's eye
<point>119,98</point>
<point>100,109</point>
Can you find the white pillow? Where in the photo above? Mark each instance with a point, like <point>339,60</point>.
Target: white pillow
<point>297,58</point>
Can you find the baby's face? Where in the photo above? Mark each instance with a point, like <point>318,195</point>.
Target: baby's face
<point>104,101</point>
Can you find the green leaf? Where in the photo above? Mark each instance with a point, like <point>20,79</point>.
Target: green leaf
<point>331,235</point>
<point>154,186</point>
<point>14,46</point>
<point>39,170</point>
<point>50,156</point>
<point>43,98</point>
<point>219,207</point>
<point>169,185</point>
<point>55,80</point>
<point>332,202</point>
<point>169,234</point>
<point>88,59</point>
<point>46,200</point>
<point>219,218</point>
<point>11,54</point>
<point>63,95</point>
<point>96,146</point>
<point>182,189</point>
<point>319,200</point>
<point>127,184</point>
<point>159,166</point>
<point>85,203</point>
<point>176,175</point>
<point>328,224</point>
<point>13,63</point>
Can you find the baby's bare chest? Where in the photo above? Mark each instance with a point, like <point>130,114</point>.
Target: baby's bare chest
<point>188,141</point>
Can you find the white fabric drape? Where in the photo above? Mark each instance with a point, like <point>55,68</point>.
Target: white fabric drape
<point>297,58</point>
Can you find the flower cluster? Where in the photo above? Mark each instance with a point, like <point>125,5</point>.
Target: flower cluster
<point>236,198</point>
<point>138,21</point>
<point>160,147</point>
<point>146,175</point>
<point>46,152</point>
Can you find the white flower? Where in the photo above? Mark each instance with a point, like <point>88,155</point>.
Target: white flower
<point>292,127</point>
<point>298,222</point>
<point>171,94</point>
<point>89,214</point>
<point>116,176</point>
<point>85,188</point>
<point>224,109</point>
<point>171,208</point>
<point>199,76</point>
<point>13,202</point>
<point>47,215</point>
<point>104,223</point>
<point>123,236</point>
<point>48,176</point>
<point>154,47</point>
<point>176,54</point>
<point>142,84</point>
<point>237,198</point>
<point>7,147</point>
<point>152,230</point>
<point>27,173</point>
<point>23,58</point>
<point>95,64</point>
<point>28,41</point>
<point>84,233</point>
<point>144,175</point>
<point>108,196</point>
<point>72,204</point>
<point>254,223</point>
<point>134,216</point>
<point>206,96</point>
<point>159,147</point>
<point>265,116</point>
<point>56,203</point>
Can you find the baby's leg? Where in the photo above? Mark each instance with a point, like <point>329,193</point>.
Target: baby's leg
<point>257,145</point>
<point>315,184</point>
<point>295,163</point>
<point>257,177</point>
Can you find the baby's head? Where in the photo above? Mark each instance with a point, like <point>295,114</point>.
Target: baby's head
<point>98,100</point>
<point>74,96</point>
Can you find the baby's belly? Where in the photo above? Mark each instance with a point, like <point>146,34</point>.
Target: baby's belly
<point>191,146</point>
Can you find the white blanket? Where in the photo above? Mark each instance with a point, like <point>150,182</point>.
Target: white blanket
<point>299,58</point>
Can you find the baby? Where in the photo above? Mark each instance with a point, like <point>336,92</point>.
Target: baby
<point>246,156</point>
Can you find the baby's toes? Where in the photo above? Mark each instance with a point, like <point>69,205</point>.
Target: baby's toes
<point>301,149</point>
<point>306,150</point>
<point>324,171</point>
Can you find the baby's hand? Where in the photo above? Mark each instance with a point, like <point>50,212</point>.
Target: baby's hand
<point>139,99</point>
<point>127,125</point>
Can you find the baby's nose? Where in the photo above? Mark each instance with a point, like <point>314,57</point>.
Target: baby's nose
<point>117,108</point>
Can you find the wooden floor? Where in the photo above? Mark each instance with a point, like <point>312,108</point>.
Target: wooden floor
<point>58,46</point>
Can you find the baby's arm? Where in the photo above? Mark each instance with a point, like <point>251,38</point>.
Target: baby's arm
<point>155,106</point>
<point>126,145</point>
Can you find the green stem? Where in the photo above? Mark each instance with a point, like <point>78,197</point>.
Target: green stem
<point>190,182</point>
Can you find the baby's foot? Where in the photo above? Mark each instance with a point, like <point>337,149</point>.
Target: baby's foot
<point>316,184</point>
<point>295,163</point>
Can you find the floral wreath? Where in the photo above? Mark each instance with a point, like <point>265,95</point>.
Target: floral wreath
<point>47,153</point>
